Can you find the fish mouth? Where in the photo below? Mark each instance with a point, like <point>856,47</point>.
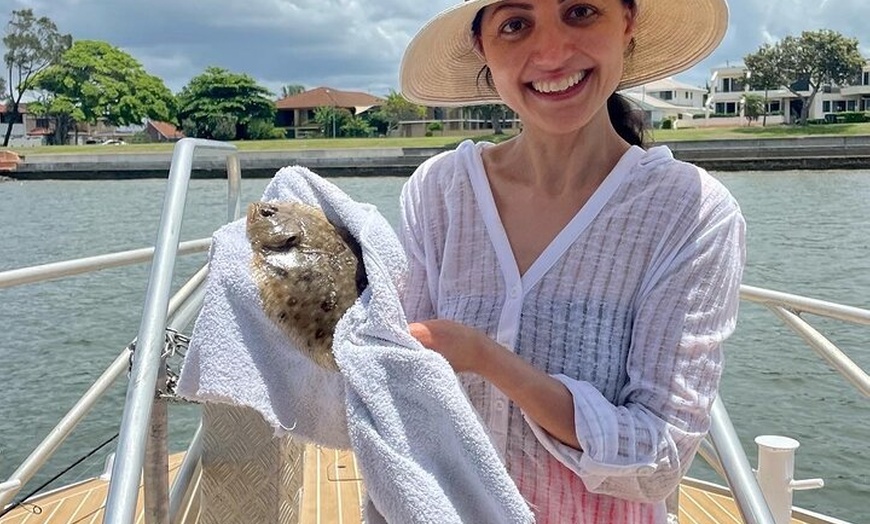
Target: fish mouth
<point>559,85</point>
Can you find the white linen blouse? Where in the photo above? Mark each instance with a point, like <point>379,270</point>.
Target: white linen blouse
<point>628,307</point>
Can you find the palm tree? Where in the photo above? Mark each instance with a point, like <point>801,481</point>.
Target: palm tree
<point>291,89</point>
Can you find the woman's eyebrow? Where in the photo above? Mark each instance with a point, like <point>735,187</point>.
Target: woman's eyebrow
<point>513,5</point>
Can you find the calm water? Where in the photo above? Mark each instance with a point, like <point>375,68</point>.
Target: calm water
<point>808,234</point>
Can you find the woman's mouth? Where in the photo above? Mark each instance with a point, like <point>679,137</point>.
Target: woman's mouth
<point>559,86</point>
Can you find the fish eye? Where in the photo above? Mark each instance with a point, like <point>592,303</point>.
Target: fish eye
<point>292,241</point>
<point>267,212</point>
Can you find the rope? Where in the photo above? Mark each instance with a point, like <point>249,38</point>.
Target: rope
<point>52,479</point>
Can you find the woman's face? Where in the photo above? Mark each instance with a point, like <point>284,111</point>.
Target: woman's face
<point>556,62</point>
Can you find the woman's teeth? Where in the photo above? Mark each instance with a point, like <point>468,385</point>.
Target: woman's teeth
<point>557,86</point>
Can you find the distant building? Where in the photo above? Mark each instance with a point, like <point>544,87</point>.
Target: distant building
<point>162,131</point>
<point>459,121</point>
<point>668,99</point>
<point>27,129</point>
<point>295,113</point>
<point>729,84</point>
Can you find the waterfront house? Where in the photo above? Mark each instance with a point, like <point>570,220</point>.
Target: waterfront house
<point>27,129</point>
<point>668,99</point>
<point>460,121</point>
<point>162,131</point>
<point>729,84</point>
<point>295,113</point>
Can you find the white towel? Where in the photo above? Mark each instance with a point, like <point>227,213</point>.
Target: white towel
<point>423,452</point>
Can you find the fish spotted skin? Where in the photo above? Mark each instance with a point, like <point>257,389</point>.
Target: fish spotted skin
<point>308,273</point>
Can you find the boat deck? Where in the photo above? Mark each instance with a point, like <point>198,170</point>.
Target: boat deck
<point>331,494</point>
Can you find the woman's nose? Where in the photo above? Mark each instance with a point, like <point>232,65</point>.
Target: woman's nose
<point>553,47</point>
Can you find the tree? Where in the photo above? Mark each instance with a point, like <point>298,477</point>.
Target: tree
<point>396,109</point>
<point>816,59</point>
<point>61,111</point>
<point>207,102</point>
<point>762,73</point>
<point>494,113</point>
<point>356,126</point>
<point>32,44</point>
<point>291,89</point>
<point>106,85</point>
<point>753,107</point>
<point>331,120</point>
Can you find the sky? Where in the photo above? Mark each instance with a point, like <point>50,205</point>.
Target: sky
<point>356,44</point>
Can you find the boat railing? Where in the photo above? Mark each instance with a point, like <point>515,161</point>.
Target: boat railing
<point>722,449</point>
<point>181,310</point>
<point>143,426</point>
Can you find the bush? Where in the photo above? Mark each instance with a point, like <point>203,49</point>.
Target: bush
<point>852,117</point>
<point>262,130</point>
<point>667,123</point>
<point>433,127</point>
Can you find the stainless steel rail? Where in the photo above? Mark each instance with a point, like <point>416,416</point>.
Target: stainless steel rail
<point>183,302</point>
<point>788,308</point>
<point>738,472</point>
<point>56,270</point>
<point>726,455</point>
<point>126,472</point>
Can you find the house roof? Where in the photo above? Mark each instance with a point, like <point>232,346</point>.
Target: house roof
<point>649,103</point>
<point>327,96</point>
<point>668,84</point>
<point>166,130</point>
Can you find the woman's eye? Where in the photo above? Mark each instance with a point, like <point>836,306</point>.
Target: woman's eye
<point>512,26</point>
<point>581,12</point>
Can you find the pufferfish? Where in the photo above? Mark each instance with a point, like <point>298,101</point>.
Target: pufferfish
<point>308,272</point>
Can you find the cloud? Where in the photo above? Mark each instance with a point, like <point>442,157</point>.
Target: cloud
<point>354,44</point>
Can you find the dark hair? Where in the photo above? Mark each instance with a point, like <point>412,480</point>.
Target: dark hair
<point>626,119</point>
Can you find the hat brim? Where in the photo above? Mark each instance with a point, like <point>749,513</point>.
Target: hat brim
<point>440,66</point>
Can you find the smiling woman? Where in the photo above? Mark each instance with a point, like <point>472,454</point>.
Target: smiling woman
<point>580,284</point>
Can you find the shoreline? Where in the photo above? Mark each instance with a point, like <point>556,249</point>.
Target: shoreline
<point>768,154</point>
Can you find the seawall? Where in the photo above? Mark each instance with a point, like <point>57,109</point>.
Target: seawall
<point>817,153</point>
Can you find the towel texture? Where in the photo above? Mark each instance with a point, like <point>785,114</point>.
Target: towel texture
<point>423,452</point>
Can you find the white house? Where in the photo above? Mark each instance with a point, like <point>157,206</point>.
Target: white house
<point>729,84</point>
<point>668,99</point>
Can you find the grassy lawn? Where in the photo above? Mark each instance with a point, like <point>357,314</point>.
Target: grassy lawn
<point>255,145</point>
<point>757,131</point>
<point>658,135</point>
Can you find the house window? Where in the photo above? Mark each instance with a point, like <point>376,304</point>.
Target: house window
<point>826,106</point>
<point>774,107</point>
<point>732,85</point>
<point>726,108</point>
<point>839,106</point>
<point>6,117</point>
<point>866,79</point>
<point>850,105</point>
<point>666,95</point>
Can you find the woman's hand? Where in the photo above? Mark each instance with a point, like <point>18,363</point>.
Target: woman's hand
<point>462,346</point>
<point>541,397</point>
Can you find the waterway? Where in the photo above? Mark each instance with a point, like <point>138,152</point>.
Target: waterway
<point>808,233</point>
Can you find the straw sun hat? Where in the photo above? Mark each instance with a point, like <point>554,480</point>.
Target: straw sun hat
<point>440,66</point>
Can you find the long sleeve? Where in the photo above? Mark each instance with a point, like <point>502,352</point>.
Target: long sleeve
<point>416,300</point>
<point>641,446</point>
